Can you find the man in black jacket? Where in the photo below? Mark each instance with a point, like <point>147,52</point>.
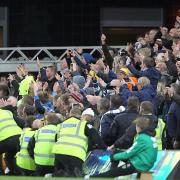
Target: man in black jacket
<point>125,141</point>
<point>124,120</point>
<point>108,117</point>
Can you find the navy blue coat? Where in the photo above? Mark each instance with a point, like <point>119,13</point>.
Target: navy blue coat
<point>147,93</point>
<point>121,123</point>
<point>105,124</point>
<point>173,121</point>
<point>151,73</point>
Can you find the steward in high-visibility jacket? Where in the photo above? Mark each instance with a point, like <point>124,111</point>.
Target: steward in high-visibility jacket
<point>41,144</point>
<point>159,133</point>
<point>71,139</point>
<point>44,141</point>
<point>23,160</point>
<point>71,148</point>
<point>9,138</point>
<point>8,126</point>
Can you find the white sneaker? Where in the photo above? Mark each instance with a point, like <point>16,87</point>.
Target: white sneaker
<point>7,170</point>
<point>48,175</point>
<point>86,177</point>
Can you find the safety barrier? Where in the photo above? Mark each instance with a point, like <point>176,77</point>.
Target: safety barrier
<point>11,56</point>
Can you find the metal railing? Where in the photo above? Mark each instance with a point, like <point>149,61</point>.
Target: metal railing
<point>48,55</point>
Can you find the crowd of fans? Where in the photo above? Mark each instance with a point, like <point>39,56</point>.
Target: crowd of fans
<point>141,82</point>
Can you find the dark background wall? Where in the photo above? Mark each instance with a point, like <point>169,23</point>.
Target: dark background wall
<point>67,22</point>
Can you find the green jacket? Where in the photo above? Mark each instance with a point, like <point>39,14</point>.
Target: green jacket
<point>142,154</point>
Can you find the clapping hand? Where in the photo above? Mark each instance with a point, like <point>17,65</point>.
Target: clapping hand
<point>56,87</point>
<point>57,76</point>
<point>4,103</point>
<point>45,86</point>
<point>11,77</point>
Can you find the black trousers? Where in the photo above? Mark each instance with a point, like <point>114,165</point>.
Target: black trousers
<point>42,170</point>
<point>68,166</point>
<point>10,146</point>
<point>123,170</point>
<point>25,172</point>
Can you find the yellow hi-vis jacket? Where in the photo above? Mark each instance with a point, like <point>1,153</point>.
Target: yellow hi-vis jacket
<point>159,133</point>
<point>23,160</point>
<point>72,140</point>
<point>44,142</point>
<point>8,126</point>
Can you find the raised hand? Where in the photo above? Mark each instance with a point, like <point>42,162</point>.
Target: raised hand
<point>102,83</point>
<point>88,82</point>
<point>45,86</point>
<point>18,72</point>
<point>39,84</point>
<point>164,31</point>
<point>2,103</point>
<point>35,88</point>
<point>166,56</point>
<point>74,67</point>
<point>38,63</point>
<point>129,46</point>
<point>110,148</point>
<point>93,68</point>
<point>57,76</point>
<point>56,87</point>
<point>116,89</point>
<point>11,77</point>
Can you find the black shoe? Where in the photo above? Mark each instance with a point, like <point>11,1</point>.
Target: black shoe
<point>77,172</point>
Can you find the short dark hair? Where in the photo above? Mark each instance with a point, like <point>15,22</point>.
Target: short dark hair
<point>133,103</point>
<point>65,98</point>
<point>53,68</point>
<point>43,96</point>
<point>142,122</point>
<point>4,89</point>
<point>149,62</point>
<point>104,104</point>
<point>116,100</point>
<point>28,100</point>
<point>76,112</point>
<point>29,121</point>
<point>29,110</point>
<point>52,118</point>
<point>147,107</point>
